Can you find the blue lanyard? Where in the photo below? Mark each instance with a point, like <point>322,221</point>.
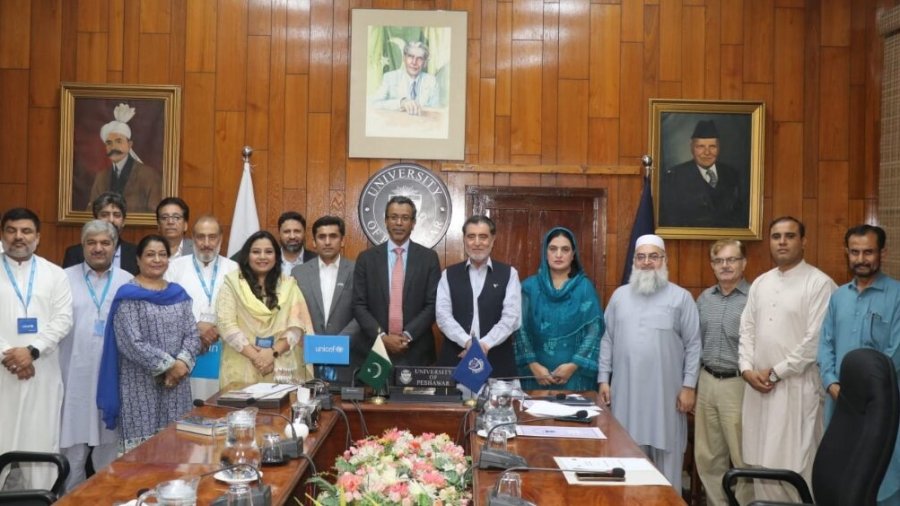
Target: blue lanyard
<point>212,281</point>
<point>12,279</point>
<point>90,287</point>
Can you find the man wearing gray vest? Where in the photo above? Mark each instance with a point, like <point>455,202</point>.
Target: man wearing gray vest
<point>479,302</point>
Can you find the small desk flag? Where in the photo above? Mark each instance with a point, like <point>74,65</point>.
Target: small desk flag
<point>474,369</point>
<point>377,368</point>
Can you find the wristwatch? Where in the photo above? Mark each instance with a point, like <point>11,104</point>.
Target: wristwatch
<point>35,353</point>
<point>773,378</point>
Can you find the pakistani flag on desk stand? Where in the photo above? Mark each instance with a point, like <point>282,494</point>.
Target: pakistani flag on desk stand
<point>474,369</point>
<point>377,368</point>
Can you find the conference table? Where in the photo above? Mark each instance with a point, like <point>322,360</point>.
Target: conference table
<point>173,454</point>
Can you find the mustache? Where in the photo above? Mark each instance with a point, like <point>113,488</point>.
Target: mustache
<point>114,152</point>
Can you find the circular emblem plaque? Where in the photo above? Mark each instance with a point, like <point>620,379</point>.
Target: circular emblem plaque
<point>411,180</point>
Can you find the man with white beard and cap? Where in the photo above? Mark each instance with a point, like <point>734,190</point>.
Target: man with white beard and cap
<point>650,358</point>
<point>139,184</point>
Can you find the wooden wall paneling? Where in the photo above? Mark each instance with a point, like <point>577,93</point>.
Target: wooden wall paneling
<point>550,85</point>
<point>473,10</point>
<point>13,53</point>
<point>14,111</point>
<point>574,30</point>
<point>197,125</point>
<point>201,202</point>
<point>788,104</point>
<point>488,37</point>
<point>669,89</point>
<point>91,54</point>
<point>690,265</point>
<point>258,61</point>
<point>759,40</point>
<point>177,43</point>
<point>45,41</point>
<point>43,163</point>
<point>573,129</point>
<point>874,57</point>
<point>68,41</point>
<point>811,76</point>
<point>527,20</point>
<point>116,38</point>
<point>632,21</point>
<point>457,182</point>
<point>259,20</point>
<point>633,107</point>
<point>357,176</point>
<point>319,156</point>
<point>501,139</point>
<point>833,211</point>
<point>298,40</point>
<point>787,196</point>
<point>340,96</point>
<point>486,120</point>
<point>603,141</point>
<point>732,79</point>
<point>856,212</point>
<point>859,24</point>
<point>810,219</point>
<point>834,108</point>
<point>277,97</point>
<point>670,32</point>
<point>156,16</point>
<point>231,56</point>
<point>764,93</point>
<point>733,22</point>
<point>320,56</point>
<point>473,98</point>
<point>201,32</point>
<point>605,61</point>
<point>154,62</point>
<point>650,77</point>
<point>336,202</point>
<point>693,55</point>
<point>294,200</point>
<point>503,102</point>
<point>14,195</point>
<point>131,42</point>
<point>835,22</point>
<point>712,49</point>
<point>295,130</point>
<point>857,144</point>
<point>92,16</point>
<point>227,145</point>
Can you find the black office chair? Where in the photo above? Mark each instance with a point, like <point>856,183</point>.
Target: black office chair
<point>35,497</point>
<point>857,446</point>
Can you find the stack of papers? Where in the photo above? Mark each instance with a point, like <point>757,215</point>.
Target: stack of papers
<point>547,408</point>
<point>638,471</point>
<point>560,431</point>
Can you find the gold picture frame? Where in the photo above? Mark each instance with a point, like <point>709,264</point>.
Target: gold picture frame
<point>693,202</point>
<point>401,106</point>
<point>146,115</point>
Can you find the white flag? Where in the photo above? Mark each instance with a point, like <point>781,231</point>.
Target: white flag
<point>246,220</point>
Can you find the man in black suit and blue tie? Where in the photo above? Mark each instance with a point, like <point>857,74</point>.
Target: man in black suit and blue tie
<point>400,313</point>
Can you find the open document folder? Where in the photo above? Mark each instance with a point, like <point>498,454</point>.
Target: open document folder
<point>638,471</point>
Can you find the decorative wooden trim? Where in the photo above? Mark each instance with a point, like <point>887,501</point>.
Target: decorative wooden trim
<point>607,170</point>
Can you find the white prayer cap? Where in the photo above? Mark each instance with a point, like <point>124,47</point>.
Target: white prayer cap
<point>652,239</point>
<point>123,114</point>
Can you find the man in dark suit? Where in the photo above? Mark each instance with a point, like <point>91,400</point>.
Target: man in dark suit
<point>172,217</point>
<point>403,320</point>
<point>110,207</point>
<point>327,286</point>
<point>292,238</point>
<point>702,192</point>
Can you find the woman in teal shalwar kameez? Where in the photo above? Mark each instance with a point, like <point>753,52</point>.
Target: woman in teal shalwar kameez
<point>562,321</point>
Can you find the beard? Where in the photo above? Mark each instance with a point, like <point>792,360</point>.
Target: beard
<point>292,247</point>
<point>649,282</point>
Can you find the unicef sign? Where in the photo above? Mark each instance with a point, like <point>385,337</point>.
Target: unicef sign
<point>422,186</point>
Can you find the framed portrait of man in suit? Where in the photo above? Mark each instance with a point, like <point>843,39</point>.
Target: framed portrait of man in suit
<point>121,138</point>
<point>708,179</point>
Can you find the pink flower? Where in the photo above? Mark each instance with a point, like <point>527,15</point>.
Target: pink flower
<point>349,482</point>
<point>434,478</point>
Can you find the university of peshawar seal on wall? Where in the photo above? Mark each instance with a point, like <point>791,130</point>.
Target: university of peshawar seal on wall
<point>422,186</point>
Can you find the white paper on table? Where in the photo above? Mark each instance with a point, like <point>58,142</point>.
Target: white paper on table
<point>266,389</point>
<point>560,431</point>
<point>638,471</point>
<point>547,408</point>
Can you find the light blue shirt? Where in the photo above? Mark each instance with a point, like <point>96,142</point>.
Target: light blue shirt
<point>870,319</point>
<point>392,257</point>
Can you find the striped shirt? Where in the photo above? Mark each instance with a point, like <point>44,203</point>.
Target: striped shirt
<point>720,322</point>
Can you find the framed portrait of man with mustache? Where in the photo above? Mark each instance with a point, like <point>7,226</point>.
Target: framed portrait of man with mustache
<point>118,138</point>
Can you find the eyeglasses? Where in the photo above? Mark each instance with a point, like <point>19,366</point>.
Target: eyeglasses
<point>653,257</point>
<point>171,217</point>
<point>726,261</point>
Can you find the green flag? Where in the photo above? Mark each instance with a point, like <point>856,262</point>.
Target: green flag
<point>377,367</point>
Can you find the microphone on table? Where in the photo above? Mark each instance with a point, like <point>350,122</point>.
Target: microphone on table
<point>490,458</point>
<point>566,400</point>
<point>290,448</point>
<point>495,498</point>
<point>261,494</point>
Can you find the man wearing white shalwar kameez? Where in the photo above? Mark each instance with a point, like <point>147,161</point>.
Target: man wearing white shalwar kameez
<point>650,358</point>
<point>782,412</point>
<point>83,432</point>
<point>201,275</point>
<point>35,315</point>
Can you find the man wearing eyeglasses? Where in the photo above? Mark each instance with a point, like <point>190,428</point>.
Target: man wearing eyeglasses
<point>172,215</point>
<point>649,358</point>
<point>864,313</point>
<point>720,392</point>
<point>782,415</point>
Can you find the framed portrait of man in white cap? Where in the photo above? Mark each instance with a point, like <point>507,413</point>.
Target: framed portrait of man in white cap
<point>707,181</point>
<point>118,138</point>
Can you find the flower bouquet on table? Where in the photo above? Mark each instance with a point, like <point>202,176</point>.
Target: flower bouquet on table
<point>398,468</point>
